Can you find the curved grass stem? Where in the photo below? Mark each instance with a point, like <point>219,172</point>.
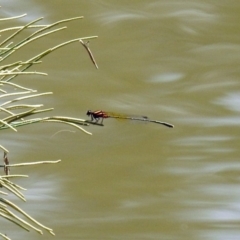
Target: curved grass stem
<point>11,18</point>
<point>19,31</point>
<point>16,115</point>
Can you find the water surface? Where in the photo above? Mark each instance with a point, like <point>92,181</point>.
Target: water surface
<point>176,61</point>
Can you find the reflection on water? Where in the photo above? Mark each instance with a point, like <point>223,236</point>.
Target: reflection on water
<point>167,77</point>
<point>174,61</point>
<point>231,101</point>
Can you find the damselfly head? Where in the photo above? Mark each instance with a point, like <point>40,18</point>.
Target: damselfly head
<point>89,112</point>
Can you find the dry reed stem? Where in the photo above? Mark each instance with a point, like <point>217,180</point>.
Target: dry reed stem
<point>19,27</point>
<point>6,111</point>
<point>14,175</point>
<point>55,24</point>
<point>3,193</point>
<point>10,213</point>
<point>16,64</point>
<point>25,97</point>
<point>20,30</point>
<point>4,149</point>
<point>7,202</point>
<point>89,52</point>
<point>13,190</point>
<point>32,163</point>
<point>69,123</point>
<point>14,93</point>
<point>5,179</point>
<point>24,106</point>
<point>22,73</point>
<point>13,220</point>
<point>11,18</point>
<point>4,236</point>
<point>5,123</point>
<point>13,120</point>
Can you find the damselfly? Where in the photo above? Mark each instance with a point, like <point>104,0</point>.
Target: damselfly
<point>99,114</point>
